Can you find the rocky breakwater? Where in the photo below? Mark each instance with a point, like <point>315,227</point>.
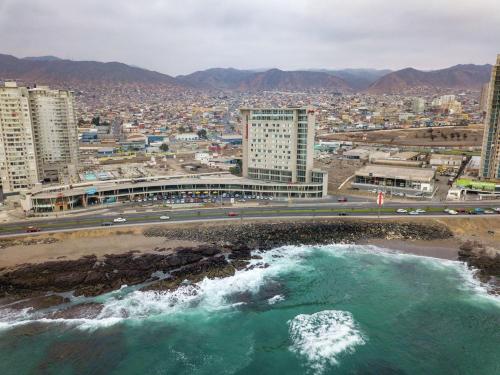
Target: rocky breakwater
<point>269,235</point>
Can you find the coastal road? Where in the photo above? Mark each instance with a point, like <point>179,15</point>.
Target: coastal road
<point>331,209</point>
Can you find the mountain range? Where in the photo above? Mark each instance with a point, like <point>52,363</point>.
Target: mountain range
<point>456,77</point>
<point>51,69</point>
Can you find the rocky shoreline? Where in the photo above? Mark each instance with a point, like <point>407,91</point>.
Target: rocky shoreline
<point>224,249</point>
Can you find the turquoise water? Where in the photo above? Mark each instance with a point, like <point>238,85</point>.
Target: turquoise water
<point>314,310</point>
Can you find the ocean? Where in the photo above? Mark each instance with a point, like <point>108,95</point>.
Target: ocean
<point>336,309</point>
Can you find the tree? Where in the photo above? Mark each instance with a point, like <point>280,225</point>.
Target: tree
<point>182,129</point>
<point>202,134</point>
<point>236,170</point>
<point>164,147</point>
<point>96,120</point>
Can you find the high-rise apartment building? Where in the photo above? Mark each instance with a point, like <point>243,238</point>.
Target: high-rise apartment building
<point>18,167</point>
<point>418,105</point>
<point>278,145</point>
<point>490,157</point>
<point>38,136</point>
<point>54,125</point>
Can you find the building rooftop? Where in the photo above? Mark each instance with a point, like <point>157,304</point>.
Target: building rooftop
<point>412,174</point>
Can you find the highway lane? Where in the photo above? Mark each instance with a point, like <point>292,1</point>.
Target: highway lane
<point>361,209</point>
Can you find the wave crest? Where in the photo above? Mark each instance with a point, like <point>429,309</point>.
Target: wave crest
<point>321,337</point>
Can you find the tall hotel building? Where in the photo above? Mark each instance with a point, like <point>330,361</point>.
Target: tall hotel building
<point>38,136</point>
<point>490,158</point>
<point>278,145</point>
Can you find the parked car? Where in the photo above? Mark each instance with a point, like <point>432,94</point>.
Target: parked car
<point>342,213</point>
<point>414,213</point>
<point>342,199</point>
<point>452,212</point>
<point>163,217</point>
<point>420,211</point>
<point>402,211</point>
<point>489,212</point>
<point>120,220</point>
<point>106,224</point>
<point>231,213</point>
<point>32,229</point>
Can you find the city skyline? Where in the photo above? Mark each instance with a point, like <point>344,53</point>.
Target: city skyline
<point>173,40</point>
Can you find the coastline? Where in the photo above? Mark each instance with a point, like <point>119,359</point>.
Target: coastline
<point>91,264</point>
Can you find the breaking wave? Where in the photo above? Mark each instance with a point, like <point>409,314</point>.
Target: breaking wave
<point>322,337</point>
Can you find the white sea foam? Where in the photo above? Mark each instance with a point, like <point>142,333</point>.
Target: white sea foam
<point>277,298</point>
<point>321,337</point>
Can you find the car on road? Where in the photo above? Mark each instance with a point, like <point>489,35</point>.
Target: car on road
<point>32,229</point>
<point>231,213</point>
<point>106,224</point>
<point>120,220</point>
<point>402,211</point>
<point>342,214</point>
<point>342,199</point>
<point>452,212</point>
<point>163,217</point>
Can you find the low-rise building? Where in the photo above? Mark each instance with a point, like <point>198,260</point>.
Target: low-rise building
<point>409,181</point>
<point>447,161</point>
<point>187,137</point>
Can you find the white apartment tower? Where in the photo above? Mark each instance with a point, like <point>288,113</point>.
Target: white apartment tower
<point>278,145</point>
<point>38,136</point>
<point>18,166</point>
<point>54,125</point>
<point>490,157</point>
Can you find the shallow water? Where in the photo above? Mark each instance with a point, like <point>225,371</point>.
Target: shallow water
<point>338,309</point>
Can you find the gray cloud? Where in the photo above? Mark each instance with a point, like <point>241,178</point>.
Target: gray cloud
<point>180,36</point>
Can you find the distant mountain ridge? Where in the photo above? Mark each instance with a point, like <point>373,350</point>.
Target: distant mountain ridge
<point>358,79</point>
<point>51,69</point>
<point>272,79</point>
<point>467,76</point>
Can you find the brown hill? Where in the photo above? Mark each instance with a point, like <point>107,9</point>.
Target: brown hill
<point>456,77</point>
<point>33,70</point>
<point>276,79</point>
<point>273,79</point>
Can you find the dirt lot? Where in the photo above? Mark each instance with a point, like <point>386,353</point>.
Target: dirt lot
<point>338,171</point>
<point>453,136</point>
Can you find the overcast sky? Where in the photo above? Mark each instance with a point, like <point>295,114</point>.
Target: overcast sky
<point>182,36</point>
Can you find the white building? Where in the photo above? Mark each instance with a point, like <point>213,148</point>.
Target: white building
<point>418,105</point>
<point>18,167</point>
<point>278,145</point>
<point>187,137</point>
<point>38,136</point>
<point>54,124</point>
